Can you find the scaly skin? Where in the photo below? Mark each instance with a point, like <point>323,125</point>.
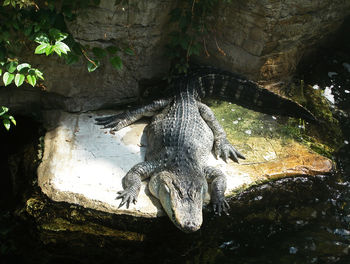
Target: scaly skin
<point>181,135</point>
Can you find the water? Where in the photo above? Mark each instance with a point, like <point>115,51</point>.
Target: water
<point>319,233</point>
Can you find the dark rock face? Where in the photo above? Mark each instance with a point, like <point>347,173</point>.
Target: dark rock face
<point>263,40</point>
<point>266,39</point>
<point>141,26</point>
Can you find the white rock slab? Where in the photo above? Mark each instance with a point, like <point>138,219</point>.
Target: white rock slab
<point>84,164</point>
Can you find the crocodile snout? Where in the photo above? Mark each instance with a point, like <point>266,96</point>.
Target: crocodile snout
<point>190,226</point>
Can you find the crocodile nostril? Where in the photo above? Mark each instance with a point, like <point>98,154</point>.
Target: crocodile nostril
<point>190,226</point>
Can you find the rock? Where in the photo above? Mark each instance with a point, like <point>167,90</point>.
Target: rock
<point>84,164</point>
<point>263,40</point>
<point>138,25</point>
<point>266,39</point>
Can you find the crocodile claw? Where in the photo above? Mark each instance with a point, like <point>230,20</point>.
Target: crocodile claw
<point>105,120</point>
<point>221,206</point>
<point>127,196</point>
<point>115,122</point>
<point>224,150</point>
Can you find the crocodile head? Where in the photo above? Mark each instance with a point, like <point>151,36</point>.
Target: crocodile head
<point>182,198</point>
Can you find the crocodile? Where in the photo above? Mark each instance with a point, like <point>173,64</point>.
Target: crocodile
<point>182,133</point>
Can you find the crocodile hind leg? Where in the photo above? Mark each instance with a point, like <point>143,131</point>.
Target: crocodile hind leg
<point>218,186</point>
<point>121,120</point>
<point>132,181</point>
<point>222,147</point>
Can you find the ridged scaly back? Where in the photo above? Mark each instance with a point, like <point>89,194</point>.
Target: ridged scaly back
<point>210,82</point>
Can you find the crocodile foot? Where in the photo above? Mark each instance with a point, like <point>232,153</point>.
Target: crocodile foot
<point>224,149</point>
<point>220,205</point>
<point>115,122</point>
<point>128,196</point>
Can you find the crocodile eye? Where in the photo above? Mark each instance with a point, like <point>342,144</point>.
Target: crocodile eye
<point>167,188</point>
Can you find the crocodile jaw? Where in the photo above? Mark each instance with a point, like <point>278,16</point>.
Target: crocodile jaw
<point>185,212</point>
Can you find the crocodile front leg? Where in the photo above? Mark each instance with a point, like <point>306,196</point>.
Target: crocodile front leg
<point>121,120</point>
<point>222,147</point>
<point>132,181</point>
<point>218,186</point>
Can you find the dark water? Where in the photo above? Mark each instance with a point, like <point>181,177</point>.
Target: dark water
<point>288,221</point>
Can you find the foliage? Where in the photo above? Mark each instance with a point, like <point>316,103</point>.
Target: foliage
<point>19,73</point>
<point>40,26</point>
<point>192,20</point>
<point>6,119</point>
<point>43,22</point>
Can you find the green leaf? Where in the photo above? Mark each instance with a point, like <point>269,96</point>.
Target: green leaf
<point>0,72</point>
<point>31,71</point>
<point>31,80</point>
<point>57,50</point>
<point>54,32</point>
<point>98,52</point>
<point>117,63</point>
<point>23,67</point>
<point>49,50</point>
<point>41,49</point>
<point>57,35</point>
<point>3,110</point>
<point>129,51</point>
<point>5,35</point>
<point>11,67</point>
<point>39,74</point>
<point>112,50</point>
<point>6,123</point>
<point>28,30</point>
<point>6,2</point>
<point>93,66</point>
<point>19,79</point>
<point>61,47</point>
<point>12,120</point>
<point>15,25</point>
<point>37,28</point>
<point>8,78</point>
<point>42,38</point>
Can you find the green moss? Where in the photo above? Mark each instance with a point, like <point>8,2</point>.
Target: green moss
<point>325,137</point>
<point>34,206</point>
<point>241,124</point>
<point>60,224</point>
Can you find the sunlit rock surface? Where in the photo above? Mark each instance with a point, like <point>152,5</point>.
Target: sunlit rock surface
<point>84,164</point>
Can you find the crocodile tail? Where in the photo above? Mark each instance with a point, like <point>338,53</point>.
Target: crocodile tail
<point>235,88</point>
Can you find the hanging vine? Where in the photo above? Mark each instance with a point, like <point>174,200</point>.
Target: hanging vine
<point>192,20</point>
